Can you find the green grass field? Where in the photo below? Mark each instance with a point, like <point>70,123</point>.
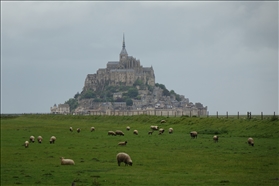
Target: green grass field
<point>167,159</point>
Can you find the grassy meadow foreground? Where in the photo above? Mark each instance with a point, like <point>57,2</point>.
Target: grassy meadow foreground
<point>167,159</point>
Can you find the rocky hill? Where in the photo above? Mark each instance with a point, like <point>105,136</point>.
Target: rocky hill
<point>125,85</point>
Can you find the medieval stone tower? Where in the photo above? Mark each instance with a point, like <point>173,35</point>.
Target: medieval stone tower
<point>123,72</point>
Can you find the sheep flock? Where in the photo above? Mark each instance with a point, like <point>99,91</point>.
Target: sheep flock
<point>122,156</point>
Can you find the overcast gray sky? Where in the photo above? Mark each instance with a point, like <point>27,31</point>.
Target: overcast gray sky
<point>221,54</point>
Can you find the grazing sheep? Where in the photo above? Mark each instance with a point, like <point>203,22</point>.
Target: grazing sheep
<point>119,132</point>
<point>136,132</point>
<point>161,131</point>
<point>122,143</point>
<point>251,141</point>
<point>154,127</point>
<point>71,129</point>
<point>32,139</point>
<point>170,130</point>
<point>67,161</point>
<point>26,144</point>
<point>128,128</point>
<point>194,134</point>
<point>78,130</point>
<point>150,132</point>
<point>215,138</point>
<point>92,129</point>
<point>40,139</point>
<point>52,139</point>
<point>163,121</point>
<point>123,157</point>
<point>111,133</point>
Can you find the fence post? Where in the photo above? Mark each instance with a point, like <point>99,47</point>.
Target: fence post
<point>217,114</point>
<point>238,115</point>
<point>274,114</point>
<point>262,115</point>
<point>227,115</point>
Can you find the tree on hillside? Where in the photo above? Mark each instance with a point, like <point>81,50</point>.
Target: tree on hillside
<point>88,94</point>
<point>76,95</point>
<point>129,102</point>
<point>73,103</point>
<point>132,92</point>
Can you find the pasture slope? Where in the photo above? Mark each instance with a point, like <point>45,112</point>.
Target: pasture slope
<point>167,159</point>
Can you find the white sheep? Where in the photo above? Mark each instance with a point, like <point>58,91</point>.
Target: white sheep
<point>122,143</point>
<point>111,133</point>
<point>32,139</point>
<point>215,138</point>
<point>71,129</point>
<point>154,127</point>
<point>194,134</point>
<point>161,131</point>
<point>67,161</point>
<point>136,132</point>
<point>40,139</point>
<point>163,121</point>
<point>170,130</point>
<point>78,130</point>
<point>251,141</point>
<point>92,129</point>
<point>123,157</point>
<point>128,128</point>
<point>52,139</point>
<point>26,144</point>
<point>119,132</point>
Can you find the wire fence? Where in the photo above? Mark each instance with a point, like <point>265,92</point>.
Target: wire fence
<point>247,116</point>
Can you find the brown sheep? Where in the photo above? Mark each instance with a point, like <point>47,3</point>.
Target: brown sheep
<point>215,138</point>
<point>194,134</point>
<point>150,132</point>
<point>78,130</point>
<point>251,141</point>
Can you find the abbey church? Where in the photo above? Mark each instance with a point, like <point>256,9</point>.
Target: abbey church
<point>123,72</point>
<point>106,93</point>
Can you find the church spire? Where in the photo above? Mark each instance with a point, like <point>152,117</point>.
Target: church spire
<point>123,46</point>
<point>123,52</point>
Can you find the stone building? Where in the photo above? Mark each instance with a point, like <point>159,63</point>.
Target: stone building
<point>123,72</point>
<point>61,109</point>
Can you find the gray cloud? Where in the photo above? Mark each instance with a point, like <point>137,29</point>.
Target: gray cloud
<point>222,54</point>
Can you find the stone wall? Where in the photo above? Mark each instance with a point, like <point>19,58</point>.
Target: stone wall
<point>156,112</point>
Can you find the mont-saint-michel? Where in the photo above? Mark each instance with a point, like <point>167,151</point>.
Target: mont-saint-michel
<point>125,87</point>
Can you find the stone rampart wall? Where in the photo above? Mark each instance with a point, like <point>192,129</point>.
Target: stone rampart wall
<point>156,112</point>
